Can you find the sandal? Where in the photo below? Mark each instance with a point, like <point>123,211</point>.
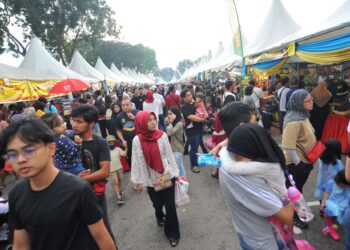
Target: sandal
<point>195,170</point>
<point>173,242</point>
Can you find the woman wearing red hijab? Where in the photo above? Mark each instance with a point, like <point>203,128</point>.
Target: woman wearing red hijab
<point>152,157</point>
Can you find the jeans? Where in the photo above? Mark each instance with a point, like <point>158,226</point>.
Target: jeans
<point>179,161</point>
<point>346,225</point>
<point>161,122</point>
<point>194,141</point>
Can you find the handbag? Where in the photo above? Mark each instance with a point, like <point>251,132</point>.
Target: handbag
<point>316,151</point>
<point>161,182</point>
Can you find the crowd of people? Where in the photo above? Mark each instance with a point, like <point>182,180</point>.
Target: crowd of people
<point>65,160</point>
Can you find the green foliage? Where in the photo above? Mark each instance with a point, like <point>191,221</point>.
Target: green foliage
<point>166,73</point>
<point>183,65</point>
<point>61,24</point>
<point>138,57</point>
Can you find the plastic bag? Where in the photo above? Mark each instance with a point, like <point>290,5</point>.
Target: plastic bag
<point>181,197</point>
<point>184,183</point>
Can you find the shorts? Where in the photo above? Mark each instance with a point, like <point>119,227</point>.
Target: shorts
<point>116,176</point>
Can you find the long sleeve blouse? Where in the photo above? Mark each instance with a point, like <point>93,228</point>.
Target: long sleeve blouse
<point>139,170</point>
<point>177,137</point>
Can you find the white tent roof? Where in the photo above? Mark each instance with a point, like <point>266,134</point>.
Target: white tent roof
<point>102,68</point>
<point>81,66</point>
<point>338,21</point>
<point>174,79</point>
<point>38,60</point>
<point>116,71</point>
<point>11,72</point>
<point>127,73</point>
<point>277,25</point>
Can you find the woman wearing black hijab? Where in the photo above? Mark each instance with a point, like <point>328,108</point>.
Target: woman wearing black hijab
<point>253,182</point>
<point>175,131</point>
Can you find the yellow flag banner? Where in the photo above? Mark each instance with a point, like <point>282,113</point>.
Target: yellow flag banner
<point>271,55</point>
<point>24,90</point>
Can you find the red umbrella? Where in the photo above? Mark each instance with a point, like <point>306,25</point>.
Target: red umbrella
<point>69,85</point>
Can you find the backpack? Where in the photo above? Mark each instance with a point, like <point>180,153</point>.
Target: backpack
<point>101,107</point>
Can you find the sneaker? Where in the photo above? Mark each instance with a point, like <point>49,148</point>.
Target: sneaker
<point>120,201</point>
<point>299,223</point>
<point>334,235</point>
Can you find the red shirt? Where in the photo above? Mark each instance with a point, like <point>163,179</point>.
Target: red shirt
<point>173,100</point>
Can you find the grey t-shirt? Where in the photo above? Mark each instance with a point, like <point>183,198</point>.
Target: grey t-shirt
<point>250,202</point>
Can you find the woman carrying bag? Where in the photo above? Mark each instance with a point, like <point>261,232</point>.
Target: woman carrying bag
<point>298,139</point>
<point>154,166</point>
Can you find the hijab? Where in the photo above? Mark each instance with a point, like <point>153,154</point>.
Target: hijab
<point>295,107</point>
<point>321,94</point>
<point>149,97</point>
<point>253,142</point>
<point>148,140</point>
<point>176,112</point>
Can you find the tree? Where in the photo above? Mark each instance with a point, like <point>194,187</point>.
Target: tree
<point>166,73</point>
<point>60,24</point>
<point>137,57</point>
<point>183,65</point>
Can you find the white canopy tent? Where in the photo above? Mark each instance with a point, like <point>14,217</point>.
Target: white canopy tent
<point>336,24</point>
<point>81,66</point>
<point>10,72</point>
<point>174,79</point>
<point>116,71</point>
<point>102,68</point>
<point>277,25</point>
<point>39,61</point>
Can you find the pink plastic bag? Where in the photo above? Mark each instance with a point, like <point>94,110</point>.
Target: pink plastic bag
<point>304,245</point>
<point>209,144</point>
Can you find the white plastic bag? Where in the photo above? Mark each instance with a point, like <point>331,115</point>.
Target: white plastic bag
<point>181,197</point>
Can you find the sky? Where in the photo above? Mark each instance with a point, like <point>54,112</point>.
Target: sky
<point>188,29</point>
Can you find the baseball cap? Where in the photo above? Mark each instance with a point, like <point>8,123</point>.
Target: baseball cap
<point>153,87</point>
<point>110,138</point>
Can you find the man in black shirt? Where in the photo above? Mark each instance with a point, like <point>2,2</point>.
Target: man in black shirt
<point>193,127</point>
<point>138,99</point>
<point>49,209</point>
<point>126,126</point>
<point>95,154</point>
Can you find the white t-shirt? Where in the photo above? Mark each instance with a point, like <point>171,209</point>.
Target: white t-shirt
<point>283,98</point>
<point>116,153</point>
<point>161,99</point>
<point>257,95</point>
<point>155,107</point>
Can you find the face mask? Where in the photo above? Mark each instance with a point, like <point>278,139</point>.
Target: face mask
<point>111,147</point>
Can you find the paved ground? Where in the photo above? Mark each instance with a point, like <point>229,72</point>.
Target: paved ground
<point>205,223</point>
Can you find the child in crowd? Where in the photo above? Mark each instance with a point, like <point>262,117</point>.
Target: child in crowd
<point>200,108</point>
<point>67,155</point>
<point>330,164</point>
<point>116,171</point>
<point>334,203</point>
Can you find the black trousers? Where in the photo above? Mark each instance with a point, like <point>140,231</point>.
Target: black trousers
<point>281,114</point>
<point>103,205</point>
<point>300,174</point>
<point>166,198</point>
<point>103,127</point>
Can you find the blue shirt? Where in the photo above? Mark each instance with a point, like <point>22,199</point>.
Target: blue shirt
<point>52,109</point>
<point>67,155</point>
<point>327,172</point>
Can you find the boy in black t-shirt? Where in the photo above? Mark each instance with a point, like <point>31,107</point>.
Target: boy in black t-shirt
<point>49,209</point>
<point>95,154</point>
<point>126,126</point>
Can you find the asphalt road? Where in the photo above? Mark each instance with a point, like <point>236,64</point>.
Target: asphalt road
<point>205,223</point>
